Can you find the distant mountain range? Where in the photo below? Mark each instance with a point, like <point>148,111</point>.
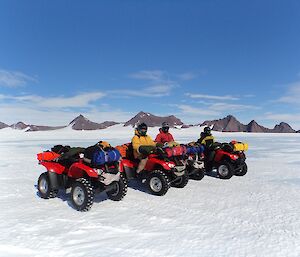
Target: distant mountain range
<point>227,124</point>
<point>231,124</point>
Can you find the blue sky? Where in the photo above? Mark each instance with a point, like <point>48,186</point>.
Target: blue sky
<point>108,60</point>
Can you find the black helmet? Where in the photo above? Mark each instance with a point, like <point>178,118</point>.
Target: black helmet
<point>207,130</point>
<point>142,129</point>
<point>165,127</point>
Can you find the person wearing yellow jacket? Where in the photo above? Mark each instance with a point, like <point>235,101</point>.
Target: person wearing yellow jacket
<point>207,140</point>
<point>142,145</point>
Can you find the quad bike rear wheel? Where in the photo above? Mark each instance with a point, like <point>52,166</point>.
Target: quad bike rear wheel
<point>182,181</point>
<point>158,182</point>
<point>120,189</point>
<point>82,194</point>
<point>242,171</point>
<point>44,187</point>
<point>225,170</point>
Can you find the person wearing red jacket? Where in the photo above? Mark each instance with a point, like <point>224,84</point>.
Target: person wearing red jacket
<point>164,135</point>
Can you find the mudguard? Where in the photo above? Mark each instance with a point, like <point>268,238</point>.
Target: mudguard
<point>220,154</point>
<point>47,156</point>
<point>128,167</point>
<point>153,162</point>
<point>127,163</point>
<point>78,170</point>
<point>53,167</point>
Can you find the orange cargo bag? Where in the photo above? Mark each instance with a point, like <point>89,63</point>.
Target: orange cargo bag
<point>123,150</point>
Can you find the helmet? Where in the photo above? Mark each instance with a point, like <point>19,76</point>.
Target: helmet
<point>165,127</point>
<point>142,129</point>
<point>207,130</point>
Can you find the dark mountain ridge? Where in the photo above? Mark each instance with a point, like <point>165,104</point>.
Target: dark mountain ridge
<point>231,124</point>
<point>153,120</point>
<point>226,124</point>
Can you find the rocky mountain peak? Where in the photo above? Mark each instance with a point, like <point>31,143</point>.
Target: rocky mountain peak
<point>283,127</point>
<point>253,126</point>
<point>3,125</point>
<point>82,123</point>
<point>79,118</point>
<point>19,125</point>
<point>228,124</point>
<point>153,120</point>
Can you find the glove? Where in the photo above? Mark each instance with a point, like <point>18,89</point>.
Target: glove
<point>159,150</point>
<point>146,150</point>
<point>159,144</point>
<point>166,144</point>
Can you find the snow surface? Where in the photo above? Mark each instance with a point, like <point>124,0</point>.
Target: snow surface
<point>254,215</point>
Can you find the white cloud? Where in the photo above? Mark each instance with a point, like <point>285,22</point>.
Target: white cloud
<point>14,78</point>
<point>212,97</point>
<point>292,95</point>
<point>249,95</point>
<point>283,117</point>
<point>192,115</point>
<point>159,89</point>
<point>293,119</point>
<point>80,100</point>
<point>158,85</point>
<point>212,110</point>
<point>153,75</point>
<point>188,75</point>
<point>187,109</point>
<point>151,91</point>
<point>39,116</point>
<point>232,107</point>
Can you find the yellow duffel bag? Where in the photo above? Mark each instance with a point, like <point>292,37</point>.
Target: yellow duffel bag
<point>239,146</point>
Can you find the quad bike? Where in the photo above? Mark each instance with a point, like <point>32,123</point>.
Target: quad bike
<point>76,173</point>
<point>195,161</point>
<point>159,173</point>
<point>229,159</point>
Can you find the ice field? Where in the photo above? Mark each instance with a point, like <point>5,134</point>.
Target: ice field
<point>255,215</point>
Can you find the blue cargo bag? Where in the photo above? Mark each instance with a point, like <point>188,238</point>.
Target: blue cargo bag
<point>101,157</point>
<point>195,149</point>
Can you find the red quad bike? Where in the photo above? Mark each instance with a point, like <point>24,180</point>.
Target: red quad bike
<point>83,179</point>
<point>161,172</point>
<point>228,161</point>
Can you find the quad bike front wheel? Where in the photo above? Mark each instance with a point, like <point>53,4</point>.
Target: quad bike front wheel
<point>44,187</point>
<point>158,182</point>
<point>225,170</point>
<point>242,171</point>
<point>119,189</point>
<point>82,194</point>
<point>198,175</point>
<point>181,181</point>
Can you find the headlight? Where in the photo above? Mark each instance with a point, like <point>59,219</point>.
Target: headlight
<point>234,157</point>
<point>98,171</point>
<point>171,165</point>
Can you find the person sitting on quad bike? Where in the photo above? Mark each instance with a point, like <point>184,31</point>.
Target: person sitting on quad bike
<point>142,145</point>
<point>207,140</point>
<point>164,135</point>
